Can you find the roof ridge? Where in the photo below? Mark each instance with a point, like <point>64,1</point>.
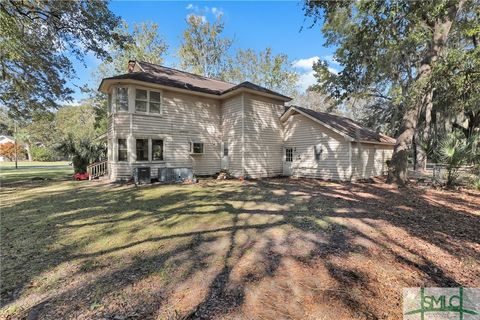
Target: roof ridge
<point>187,72</point>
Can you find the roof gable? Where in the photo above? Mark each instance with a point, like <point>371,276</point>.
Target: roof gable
<point>346,127</point>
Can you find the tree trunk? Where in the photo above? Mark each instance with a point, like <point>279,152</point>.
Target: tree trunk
<point>441,29</point>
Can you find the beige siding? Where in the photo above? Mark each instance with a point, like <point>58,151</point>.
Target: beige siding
<point>184,118</point>
<point>231,116</point>
<point>263,136</point>
<point>369,160</point>
<point>302,134</point>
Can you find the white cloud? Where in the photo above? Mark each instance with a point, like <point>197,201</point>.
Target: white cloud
<point>217,12</point>
<point>307,75</point>
<point>306,80</point>
<point>305,64</point>
<point>331,59</point>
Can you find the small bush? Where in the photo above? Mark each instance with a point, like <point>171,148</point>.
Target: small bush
<point>476,184</point>
<point>41,154</point>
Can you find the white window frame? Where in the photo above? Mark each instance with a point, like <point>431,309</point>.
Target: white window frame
<point>191,149</point>
<point>149,90</point>
<point>146,100</point>
<point>320,155</point>
<point>117,110</point>
<point>117,155</point>
<point>150,148</point>
<point>160,102</point>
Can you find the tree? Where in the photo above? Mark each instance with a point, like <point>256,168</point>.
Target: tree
<point>37,42</point>
<point>77,122</point>
<point>7,150</point>
<point>146,44</point>
<point>83,151</point>
<point>263,68</point>
<point>388,51</point>
<point>203,50</point>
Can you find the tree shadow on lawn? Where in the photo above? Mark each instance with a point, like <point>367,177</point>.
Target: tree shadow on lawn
<point>347,249</point>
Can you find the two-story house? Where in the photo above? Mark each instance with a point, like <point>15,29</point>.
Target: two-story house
<point>162,117</point>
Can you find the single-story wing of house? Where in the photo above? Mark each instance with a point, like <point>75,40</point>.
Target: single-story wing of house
<point>160,117</point>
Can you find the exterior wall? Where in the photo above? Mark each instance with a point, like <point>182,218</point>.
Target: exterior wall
<point>232,119</point>
<point>370,160</point>
<point>302,134</point>
<point>263,136</point>
<point>184,119</point>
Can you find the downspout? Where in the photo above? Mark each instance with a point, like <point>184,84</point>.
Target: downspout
<point>350,160</point>
<point>243,135</point>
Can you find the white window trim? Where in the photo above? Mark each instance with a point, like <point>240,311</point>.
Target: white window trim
<point>148,101</point>
<point>321,158</point>
<point>150,149</point>
<point>144,100</point>
<point>114,96</point>
<point>191,148</point>
<point>116,149</point>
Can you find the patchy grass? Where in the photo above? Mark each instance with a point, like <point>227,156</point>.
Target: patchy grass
<point>255,250</point>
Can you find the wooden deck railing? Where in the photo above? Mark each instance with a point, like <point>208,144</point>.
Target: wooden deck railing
<point>98,169</point>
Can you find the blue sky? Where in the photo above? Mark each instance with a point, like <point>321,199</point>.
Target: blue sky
<point>255,25</point>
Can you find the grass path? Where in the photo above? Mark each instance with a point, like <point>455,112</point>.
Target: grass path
<point>272,249</point>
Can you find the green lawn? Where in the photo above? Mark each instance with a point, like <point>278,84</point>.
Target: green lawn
<point>254,250</point>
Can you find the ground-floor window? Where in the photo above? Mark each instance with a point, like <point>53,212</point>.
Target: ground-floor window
<point>196,147</point>
<point>157,150</point>
<point>318,150</point>
<point>122,149</point>
<point>142,149</point>
<point>288,154</point>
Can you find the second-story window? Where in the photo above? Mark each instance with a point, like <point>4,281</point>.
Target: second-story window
<point>141,100</point>
<point>155,102</point>
<point>121,100</point>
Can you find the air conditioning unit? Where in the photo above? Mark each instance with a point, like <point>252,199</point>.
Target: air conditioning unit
<point>141,175</point>
<point>174,174</point>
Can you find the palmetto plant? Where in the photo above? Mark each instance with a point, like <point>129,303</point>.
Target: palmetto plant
<point>84,151</point>
<point>454,152</point>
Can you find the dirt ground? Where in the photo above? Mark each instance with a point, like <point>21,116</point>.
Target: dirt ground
<point>269,249</point>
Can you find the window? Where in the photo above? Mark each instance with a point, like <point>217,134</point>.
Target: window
<point>289,154</point>
<point>142,149</point>
<point>122,99</point>
<point>122,150</point>
<point>225,150</point>
<point>140,100</point>
<point>196,147</point>
<point>318,152</point>
<point>109,102</point>
<point>157,150</point>
<point>155,102</point>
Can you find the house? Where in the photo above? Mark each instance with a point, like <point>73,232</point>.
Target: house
<point>5,139</point>
<point>165,118</point>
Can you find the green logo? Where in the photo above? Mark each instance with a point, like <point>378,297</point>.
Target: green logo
<point>441,303</point>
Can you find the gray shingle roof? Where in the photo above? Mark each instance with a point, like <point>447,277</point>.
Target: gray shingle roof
<point>184,80</point>
<point>347,126</point>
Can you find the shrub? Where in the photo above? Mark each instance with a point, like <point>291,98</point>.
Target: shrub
<point>41,154</point>
<point>476,184</point>
<point>83,152</point>
<point>454,152</point>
